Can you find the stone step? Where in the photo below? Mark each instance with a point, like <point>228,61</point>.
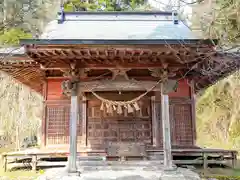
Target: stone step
<point>91,158</point>
<point>151,156</point>
<point>119,168</point>
<point>120,163</point>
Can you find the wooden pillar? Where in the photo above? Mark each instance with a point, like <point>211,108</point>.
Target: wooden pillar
<point>72,158</point>
<point>84,121</point>
<point>193,113</point>
<point>44,117</point>
<point>205,160</point>
<point>34,162</point>
<point>5,162</point>
<point>155,122</point>
<point>234,159</point>
<point>166,130</point>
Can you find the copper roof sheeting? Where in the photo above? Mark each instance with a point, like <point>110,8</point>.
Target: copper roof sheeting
<point>118,26</point>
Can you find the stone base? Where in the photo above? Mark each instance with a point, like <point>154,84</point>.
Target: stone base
<point>179,174</point>
<point>173,168</point>
<point>78,173</point>
<point>60,174</point>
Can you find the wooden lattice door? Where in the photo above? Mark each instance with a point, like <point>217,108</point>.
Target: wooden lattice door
<point>180,122</point>
<point>127,127</point>
<point>57,124</point>
<point>181,125</point>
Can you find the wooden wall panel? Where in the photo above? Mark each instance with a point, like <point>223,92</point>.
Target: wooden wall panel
<point>54,91</point>
<point>183,89</point>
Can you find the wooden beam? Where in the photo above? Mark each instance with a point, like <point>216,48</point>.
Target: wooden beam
<point>166,130</point>
<point>72,166</point>
<point>84,121</point>
<point>104,77</point>
<point>155,122</point>
<point>131,85</point>
<point>105,64</point>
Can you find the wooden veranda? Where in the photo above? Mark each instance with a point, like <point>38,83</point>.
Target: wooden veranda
<point>41,158</point>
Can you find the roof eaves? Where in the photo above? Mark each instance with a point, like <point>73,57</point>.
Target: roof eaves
<point>115,41</point>
<point>12,50</point>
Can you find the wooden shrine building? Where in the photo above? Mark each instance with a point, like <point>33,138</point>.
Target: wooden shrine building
<point>118,77</point>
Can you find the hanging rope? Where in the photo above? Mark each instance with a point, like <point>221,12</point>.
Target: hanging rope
<point>117,105</point>
<point>122,103</point>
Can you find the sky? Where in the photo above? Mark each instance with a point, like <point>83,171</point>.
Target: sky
<point>186,9</point>
<point>161,3</point>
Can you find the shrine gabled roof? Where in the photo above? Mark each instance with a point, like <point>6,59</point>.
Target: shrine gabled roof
<point>117,26</point>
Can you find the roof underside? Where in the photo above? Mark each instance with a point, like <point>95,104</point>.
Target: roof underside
<point>17,64</point>
<point>204,68</point>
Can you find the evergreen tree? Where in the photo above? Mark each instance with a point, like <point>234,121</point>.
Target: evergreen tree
<point>23,19</point>
<point>103,5</point>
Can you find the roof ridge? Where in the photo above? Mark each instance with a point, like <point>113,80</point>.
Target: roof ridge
<point>169,13</point>
<point>118,16</point>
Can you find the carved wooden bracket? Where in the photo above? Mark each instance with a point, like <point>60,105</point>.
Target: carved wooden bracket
<point>69,87</point>
<point>81,73</point>
<point>163,74</point>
